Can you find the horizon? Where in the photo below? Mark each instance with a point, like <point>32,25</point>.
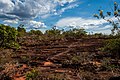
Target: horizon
<point>65,14</point>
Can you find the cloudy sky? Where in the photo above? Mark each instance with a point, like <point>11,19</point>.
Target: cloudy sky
<point>65,14</point>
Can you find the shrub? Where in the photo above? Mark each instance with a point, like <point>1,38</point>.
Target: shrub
<point>108,65</point>
<point>5,77</point>
<point>21,30</point>
<point>35,32</point>
<point>53,33</point>
<point>8,37</point>
<point>32,75</point>
<point>112,46</point>
<point>75,33</point>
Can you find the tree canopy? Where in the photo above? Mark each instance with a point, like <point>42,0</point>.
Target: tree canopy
<point>21,30</point>
<point>8,36</point>
<point>35,32</point>
<point>110,17</point>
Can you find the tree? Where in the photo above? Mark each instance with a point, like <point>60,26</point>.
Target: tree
<point>8,36</point>
<point>74,33</point>
<point>54,33</point>
<point>79,32</point>
<point>35,32</point>
<point>115,13</point>
<point>21,30</point>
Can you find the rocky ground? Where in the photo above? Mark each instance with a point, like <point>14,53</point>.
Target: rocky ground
<point>60,59</point>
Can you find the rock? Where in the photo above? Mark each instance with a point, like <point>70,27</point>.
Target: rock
<point>20,78</point>
<point>48,64</point>
<point>98,64</point>
<point>24,66</point>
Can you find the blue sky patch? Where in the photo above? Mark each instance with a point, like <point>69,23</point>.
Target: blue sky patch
<point>44,14</point>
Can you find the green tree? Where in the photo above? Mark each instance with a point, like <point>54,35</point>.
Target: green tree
<point>79,32</point>
<point>74,33</point>
<point>8,36</point>
<point>35,32</point>
<point>68,34</point>
<point>114,13</point>
<point>53,33</point>
<point>21,30</point>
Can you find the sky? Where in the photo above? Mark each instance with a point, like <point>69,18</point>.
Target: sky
<point>65,14</point>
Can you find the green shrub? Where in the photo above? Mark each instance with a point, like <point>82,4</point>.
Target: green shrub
<point>32,75</point>
<point>53,33</point>
<point>75,33</point>
<point>57,76</point>
<point>35,32</point>
<point>21,30</point>
<point>8,37</point>
<point>106,63</point>
<point>112,46</point>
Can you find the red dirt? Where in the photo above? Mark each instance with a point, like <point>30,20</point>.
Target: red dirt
<point>50,58</point>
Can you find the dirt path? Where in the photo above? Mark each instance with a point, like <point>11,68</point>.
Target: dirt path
<point>62,53</point>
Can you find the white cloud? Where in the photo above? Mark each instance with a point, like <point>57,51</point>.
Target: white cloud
<point>25,9</point>
<point>36,25</point>
<point>88,24</point>
<point>66,8</point>
<point>11,21</point>
<point>62,2</point>
<point>6,5</point>
<point>29,9</point>
<point>106,27</point>
<point>108,31</point>
<point>80,22</point>
<point>21,11</point>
